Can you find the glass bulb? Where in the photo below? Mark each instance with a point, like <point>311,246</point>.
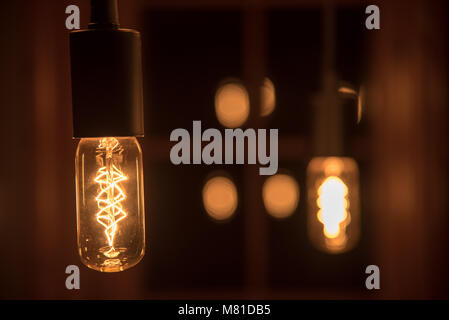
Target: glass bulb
<point>333,203</point>
<point>110,206</point>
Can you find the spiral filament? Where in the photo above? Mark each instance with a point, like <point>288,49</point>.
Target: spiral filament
<point>111,195</point>
<point>333,210</point>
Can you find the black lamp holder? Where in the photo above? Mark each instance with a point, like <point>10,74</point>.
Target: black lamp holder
<point>106,72</point>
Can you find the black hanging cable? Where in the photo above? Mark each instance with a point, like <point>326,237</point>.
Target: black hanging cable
<point>328,114</point>
<point>103,14</point>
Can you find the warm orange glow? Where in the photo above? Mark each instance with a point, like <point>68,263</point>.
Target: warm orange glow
<point>280,195</point>
<point>360,99</point>
<point>232,105</point>
<point>358,95</point>
<point>268,98</point>
<point>110,204</point>
<point>220,198</point>
<point>333,204</point>
<point>347,90</point>
<point>110,195</point>
<point>333,166</point>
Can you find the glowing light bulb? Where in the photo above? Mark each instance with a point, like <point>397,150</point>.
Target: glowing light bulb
<point>280,195</point>
<point>220,198</point>
<point>232,104</point>
<point>110,206</point>
<point>333,203</point>
<point>268,98</point>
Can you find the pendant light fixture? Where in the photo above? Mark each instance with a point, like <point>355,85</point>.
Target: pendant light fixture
<point>332,179</point>
<point>107,118</point>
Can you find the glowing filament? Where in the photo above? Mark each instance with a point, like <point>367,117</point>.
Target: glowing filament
<point>333,204</point>
<point>110,195</point>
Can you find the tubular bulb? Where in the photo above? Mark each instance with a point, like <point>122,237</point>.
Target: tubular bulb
<point>333,204</point>
<point>110,206</point>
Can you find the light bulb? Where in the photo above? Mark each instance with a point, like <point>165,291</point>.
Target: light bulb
<point>280,195</point>
<point>268,98</point>
<point>110,205</point>
<point>232,104</point>
<point>220,197</point>
<point>333,203</point>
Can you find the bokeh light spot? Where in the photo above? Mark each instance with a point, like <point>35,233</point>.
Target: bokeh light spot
<point>232,105</point>
<point>280,195</point>
<point>268,98</point>
<point>220,198</point>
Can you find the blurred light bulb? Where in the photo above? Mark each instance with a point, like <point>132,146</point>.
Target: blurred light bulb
<point>280,195</point>
<point>232,105</point>
<point>220,198</point>
<point>110,206</point>
<point>333,203</point>
<point>268,98</point>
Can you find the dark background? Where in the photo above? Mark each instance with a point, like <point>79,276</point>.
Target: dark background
<point>189,48</point>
